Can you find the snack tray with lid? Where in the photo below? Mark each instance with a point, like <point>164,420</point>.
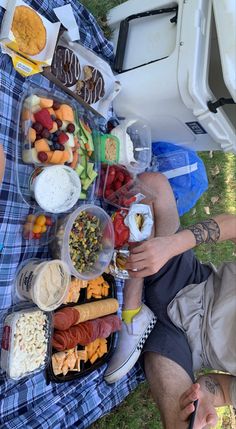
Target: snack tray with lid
<point>23,170</point>
<point>13,340</point>
<point>86,367</point>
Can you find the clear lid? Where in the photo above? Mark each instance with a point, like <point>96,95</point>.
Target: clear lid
<point>26,341</point>
<point>26,153</point>
<point>134,144</point>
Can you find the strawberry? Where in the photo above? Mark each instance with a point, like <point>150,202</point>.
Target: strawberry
<point>120,176</point>
<point>117,185</point>
<point>44,118</point>
<point>62,138</point>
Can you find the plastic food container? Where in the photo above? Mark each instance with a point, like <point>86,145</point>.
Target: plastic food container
<point>26,344</point>
<point>60,247</point>
<point>135,148</point>
<point>131,189</point>
<point>56,189</point>
<point>46,231</point>
<point>23,169</point>
<point>109,149</point>
<point>87,367</point>
<point>46,283</point>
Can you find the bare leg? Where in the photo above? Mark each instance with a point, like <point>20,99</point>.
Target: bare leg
<point>167,381</point>
<point>133,334</point>
<point>164,206</point>
<point>166,222</point>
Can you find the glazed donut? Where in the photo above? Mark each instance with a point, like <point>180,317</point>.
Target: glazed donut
<point>92,87</point>
<point>66,66</point>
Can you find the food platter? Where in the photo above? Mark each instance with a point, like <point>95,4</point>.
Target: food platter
<point>86,367</point>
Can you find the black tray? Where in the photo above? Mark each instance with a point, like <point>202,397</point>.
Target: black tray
<point>86,368</point>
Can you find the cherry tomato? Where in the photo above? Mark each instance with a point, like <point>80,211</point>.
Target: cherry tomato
<point>36,229</point>
<point>49,221</point>
<point>43,228</point>
<point>37,236</point>
<point>40,220</point>
<point>31,218</point>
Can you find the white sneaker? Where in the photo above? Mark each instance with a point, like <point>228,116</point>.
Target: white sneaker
<point>130,343</point>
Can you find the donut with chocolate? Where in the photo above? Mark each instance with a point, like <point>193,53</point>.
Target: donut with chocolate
<point>66,66</point>
<point>92,87</point>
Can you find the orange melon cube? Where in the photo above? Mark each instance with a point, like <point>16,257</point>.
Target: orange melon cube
<point>31,135</point>
<point>45,102</point>
<point>57,157</point>
<point>65,113</point>
<point>25,115</point>
<point>66,156</point>
<point>42,145</point>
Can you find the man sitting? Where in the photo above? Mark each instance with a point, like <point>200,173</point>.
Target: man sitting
<point>195,307</point>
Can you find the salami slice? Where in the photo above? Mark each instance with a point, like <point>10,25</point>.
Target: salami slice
<point>65,318</point>
<point>86,332</point>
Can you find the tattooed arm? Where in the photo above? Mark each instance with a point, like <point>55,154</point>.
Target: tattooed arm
<point>211,390</point>
<point>217,229</point>
<point>150,256</point>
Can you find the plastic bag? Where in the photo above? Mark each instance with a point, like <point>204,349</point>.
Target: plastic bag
<point>184,169</point>
<point>139,221</point>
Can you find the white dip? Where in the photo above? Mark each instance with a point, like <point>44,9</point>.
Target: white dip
<point>51,286</point>
<point>57,189</point>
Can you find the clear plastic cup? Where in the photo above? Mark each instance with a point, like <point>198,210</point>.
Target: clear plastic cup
<point>135,144</point>
<point>60,247</point>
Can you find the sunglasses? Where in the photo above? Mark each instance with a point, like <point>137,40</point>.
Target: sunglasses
<point>193,415</point>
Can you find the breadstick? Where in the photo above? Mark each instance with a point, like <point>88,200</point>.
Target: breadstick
<point>66,317</point>
<point>96,309</point>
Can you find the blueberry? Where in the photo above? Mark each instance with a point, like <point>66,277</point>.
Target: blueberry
<point>57,133</point>
<point>53,117</point>
<point>54,137</point>
<point>57,146</point>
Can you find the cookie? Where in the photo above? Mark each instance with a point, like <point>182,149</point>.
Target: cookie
<point>66,66</point>
<point>92,87</point>
<point>28,30</point>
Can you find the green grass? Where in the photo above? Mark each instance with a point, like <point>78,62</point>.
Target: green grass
<point>138,411</point>
<point>99,9</point>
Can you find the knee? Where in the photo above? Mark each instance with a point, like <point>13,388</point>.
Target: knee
<point>152,179</point>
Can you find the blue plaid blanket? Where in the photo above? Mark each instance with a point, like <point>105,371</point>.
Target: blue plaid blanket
<point>32,403</point>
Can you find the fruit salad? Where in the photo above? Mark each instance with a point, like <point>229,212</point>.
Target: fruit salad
<point>49,128</point>
<point>52,136</point>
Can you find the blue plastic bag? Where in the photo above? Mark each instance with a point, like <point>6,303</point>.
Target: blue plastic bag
<point>184,169</point>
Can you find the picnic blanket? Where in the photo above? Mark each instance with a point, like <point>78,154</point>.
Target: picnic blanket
<point>32,403</point>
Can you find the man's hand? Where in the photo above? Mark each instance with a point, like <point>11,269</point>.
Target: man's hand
<point>206,415</point>
<point>150,256</point>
